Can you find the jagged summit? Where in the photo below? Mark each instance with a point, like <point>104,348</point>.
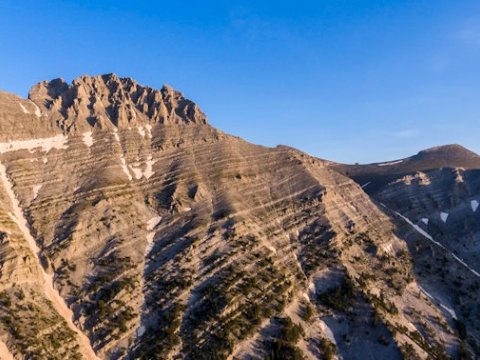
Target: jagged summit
<point>108,100</point>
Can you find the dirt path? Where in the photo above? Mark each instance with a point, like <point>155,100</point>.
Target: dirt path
<point>50,292</point>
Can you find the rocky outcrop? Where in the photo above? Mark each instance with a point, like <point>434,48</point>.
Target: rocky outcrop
<point>100,102</point>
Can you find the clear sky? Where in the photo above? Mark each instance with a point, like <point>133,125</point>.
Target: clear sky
<point>352,81</point>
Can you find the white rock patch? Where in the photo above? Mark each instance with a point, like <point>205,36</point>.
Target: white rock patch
<point>141,131</point>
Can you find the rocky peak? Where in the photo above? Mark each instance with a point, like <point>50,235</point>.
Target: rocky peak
<point>106,101</point>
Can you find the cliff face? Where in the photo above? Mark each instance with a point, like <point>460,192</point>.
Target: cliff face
<point>166,238</point>
<point>100,102</point>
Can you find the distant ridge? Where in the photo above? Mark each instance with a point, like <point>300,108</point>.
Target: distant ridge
<point>378,174</point>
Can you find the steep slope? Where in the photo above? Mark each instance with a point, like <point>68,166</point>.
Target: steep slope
<point>437,213</point>
<point>168,238</point>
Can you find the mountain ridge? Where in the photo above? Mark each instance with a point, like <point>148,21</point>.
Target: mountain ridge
<point>168,238</point>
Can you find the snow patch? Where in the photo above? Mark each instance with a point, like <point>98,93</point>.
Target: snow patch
<point>425,221</point>
<point>419,230</point>
<point>148,127</point>
<point>87,138</point>
<point>24,109</point>
<point>148,173</point>
<point>35,190</point>
<point>450,311</point>
<point>150,237</point>
<point>136,171</point>
<point>465,264</point>
<point>366,184</point>
<point>390,163</point>
<point>141,330</point>
<point>115,135</point>
<point>444,216</point>
<point>45,144</point>
<point>38,113</point>
<point>327,331</point>
<point>426,293</point>
<point>474,204</point>
<point>153,222</point>
<point>429,237</point>
<point>125,168</point>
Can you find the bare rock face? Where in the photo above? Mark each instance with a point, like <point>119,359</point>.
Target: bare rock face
<point>108,101</point>
<point>135,230</point>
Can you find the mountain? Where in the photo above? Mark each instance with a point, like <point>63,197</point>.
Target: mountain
<point>132,229</point>
<point>379,174</point>
<point>434,194</point>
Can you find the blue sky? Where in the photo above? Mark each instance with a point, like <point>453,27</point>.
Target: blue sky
<point>352,81</point>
